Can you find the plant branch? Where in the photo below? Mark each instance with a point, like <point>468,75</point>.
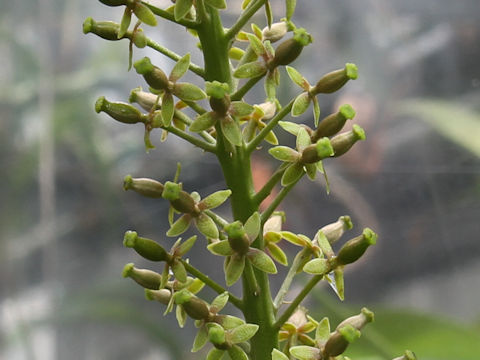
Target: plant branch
<point>195,107</point>
<point>288,279</point>
<point>169,16</point>
<point>278,199</point>
<point>270,125</point>
<point>238,95</point>
<point>186,120</point>
<point>267,188</point>
<point>191,139</point>
<point>212,284</point>
<point>298,299</point>
<point>170,54</point>
<point>243,19</point>
<point>216,218</point>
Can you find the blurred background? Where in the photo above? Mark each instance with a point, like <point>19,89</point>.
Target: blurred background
<point>416,180</point>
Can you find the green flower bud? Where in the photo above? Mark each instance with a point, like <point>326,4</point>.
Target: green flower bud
<point>114,2</point>
<point>107,30</point>
<point>276,32</point>
<point>220,106</point>
<point>358,321</point>
<point>139,38</point>
<point>290,49</point>
<point>338,342</point>
<point>162,295</point>
<point>147,187</point>
<point>216,334</point>
<point>122,112</point>
<point>333,123</point>
<point>145,99</point>
<point>217,89</point>
<point>153,75</point>
<point>180,200</point>
<point>316,152</point>
<point>334,231</point>
<point>146,248</point>
<point>353,249</point>
<point>344,141</point>
<point>334,80</point>
<point>145,278</point>
<point>195,308</point>
<point>237,237</point>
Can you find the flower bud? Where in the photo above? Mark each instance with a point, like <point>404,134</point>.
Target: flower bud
<point>107,30</point>
<point>146,248</point>
<point>316,152</point>
<point>276,32</point>
<point>334,80</point>
<point>358,321</point>
<point>237,237</point>
<point>216,334</point>
<point>153,75</point>
<point>353,249</point>
<point>145,99</point>
<point>180,200</point>
<point>333,123</point>
<point>334,231</point>
<point>145,278</point>
<point>195,308</point>
<point>344,141</point>
<point>122,112</point>
<point>162,295</point>
<point>338,342</point>
<point>290,49</point>
<point>268,108</point>
<point>114,2</point>
<point>147,187</point>
<point>220,106</point>
<point>139,38</point>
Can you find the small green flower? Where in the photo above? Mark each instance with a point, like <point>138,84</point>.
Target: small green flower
<point>295,331</point>
<point>237,249</point>
<point>256,122</point>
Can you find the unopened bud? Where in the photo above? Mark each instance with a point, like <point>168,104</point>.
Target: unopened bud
<point>147,187</point>
<point>114,2</point>
<point>145,99</point>
<point>276,32</point>
<point>107,30</point>
<point>334,231</point>
<point>180,200</point>
<point>216,89</point>
<point>146,248</point>
<point>333,123</point>
<point>316,152</point>
<point>291,48</point>
<point>358,321</point>
<point>237,237</point>
<point>146,278</point>
<point>344,141</point>
<point>353,249</point>
<point>338,342</point>
<point>153,75</point>
<point>216,334</point>
<point>121,112</point>
<point>195,308</point>
<point>334,80</point>
<point>269,108</point>
<point>162,295</point>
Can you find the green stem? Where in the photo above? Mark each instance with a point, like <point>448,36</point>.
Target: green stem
<point>243,19</point>
<point>271,124</point>
<point>278,199</point>
<point>288,279</point>
<point>191,139</point>
<point>216,218</point>
<point>212,284</point>
<point>238,95</point>
<point>170,54</point>
<point>266,190</point>
<point>195,107</point>
<point>187,121</point>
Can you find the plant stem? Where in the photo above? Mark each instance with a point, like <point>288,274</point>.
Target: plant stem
<point>212,284</point>
<point>271,124</point>
<point>186,120</point>
<point>169,16</point>
<point>191,139</point>
<point>243,19</point>
<point>238,95</point>
<point>288,279</point>
<point>216,218</point>
<point>174,56</point>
